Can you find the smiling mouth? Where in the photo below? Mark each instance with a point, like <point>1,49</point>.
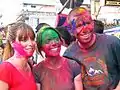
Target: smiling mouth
<point>54,49</point>
<point>85,36</point>
<point>29,49</point>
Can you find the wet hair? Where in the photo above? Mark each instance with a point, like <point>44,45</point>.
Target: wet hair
<point>68,38</point>
<point>39,37</point>
<point>20,29</point>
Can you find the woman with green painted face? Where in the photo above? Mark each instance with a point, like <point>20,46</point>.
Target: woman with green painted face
<point>55,72</point>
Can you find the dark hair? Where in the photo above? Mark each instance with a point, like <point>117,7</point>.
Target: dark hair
<point>65,34</point>
<point>39,37</point>
<point>98,26</point>
<point>40,25</point>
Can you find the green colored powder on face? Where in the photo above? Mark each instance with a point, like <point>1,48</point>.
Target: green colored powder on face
<point>49,35</point>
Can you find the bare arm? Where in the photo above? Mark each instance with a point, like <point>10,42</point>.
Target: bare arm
<point>3,85</point>
<point>78,82</point>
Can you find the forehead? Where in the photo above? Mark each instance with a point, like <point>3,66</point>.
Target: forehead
<point>86,18</point>
<point>50,33</point>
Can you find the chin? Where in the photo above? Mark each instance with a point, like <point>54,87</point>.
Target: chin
<point>30,54</point>
<point>54,55</point>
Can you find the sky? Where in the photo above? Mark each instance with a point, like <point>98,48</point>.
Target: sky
<point>10,8</point>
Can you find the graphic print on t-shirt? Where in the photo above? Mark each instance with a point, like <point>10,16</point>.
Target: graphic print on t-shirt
<point>95,71</point>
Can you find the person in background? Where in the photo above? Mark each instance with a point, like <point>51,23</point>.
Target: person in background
<point>8,51</point>
<point>98,54</point>
<point>15,72</point>
<point>1,50</point>
<point>1,43</point>
<point>40,25</point>
<point>55,72</point>
<point>99,26</point>
<point>67,38</point>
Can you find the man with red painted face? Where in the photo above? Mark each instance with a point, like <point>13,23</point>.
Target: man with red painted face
<point>55,72</point>
<point>98,54</point>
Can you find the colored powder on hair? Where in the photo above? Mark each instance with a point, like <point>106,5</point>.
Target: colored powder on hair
<point>49,34</point>
<point>82,10</point>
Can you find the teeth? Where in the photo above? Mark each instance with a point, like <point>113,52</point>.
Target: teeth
<point>54,49</point>
<point>86,36</point>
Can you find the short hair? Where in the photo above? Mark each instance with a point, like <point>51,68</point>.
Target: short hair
<point>65,34</point>
<point>79,10</point>
<point>40,25</point>
<point>98,26</point>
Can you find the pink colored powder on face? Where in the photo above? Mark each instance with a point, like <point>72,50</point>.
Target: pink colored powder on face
<point>20,49</point>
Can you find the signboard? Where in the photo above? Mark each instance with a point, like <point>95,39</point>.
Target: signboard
<point>112,2</point>
<point>109,15</point>
<point>114,31</point>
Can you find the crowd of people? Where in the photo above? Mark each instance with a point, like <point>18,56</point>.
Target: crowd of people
<point>81,58</point>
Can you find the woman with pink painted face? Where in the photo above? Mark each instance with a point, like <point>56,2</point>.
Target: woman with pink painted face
<point>15,73</point>
<point>55,72</point>
<point>98,54</point>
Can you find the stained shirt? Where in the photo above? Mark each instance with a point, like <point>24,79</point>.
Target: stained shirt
<point>101,62</point>
<point>61,78</point>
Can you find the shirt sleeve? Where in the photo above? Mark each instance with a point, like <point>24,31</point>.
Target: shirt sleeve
<point>75,67</point>
<point>115,47</point>
<point>116,51</point>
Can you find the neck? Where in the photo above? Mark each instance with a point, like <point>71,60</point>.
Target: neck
<point>53,59</point>
<point>20,62</point>
<point>89,44</point>
<point>54,62</point>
